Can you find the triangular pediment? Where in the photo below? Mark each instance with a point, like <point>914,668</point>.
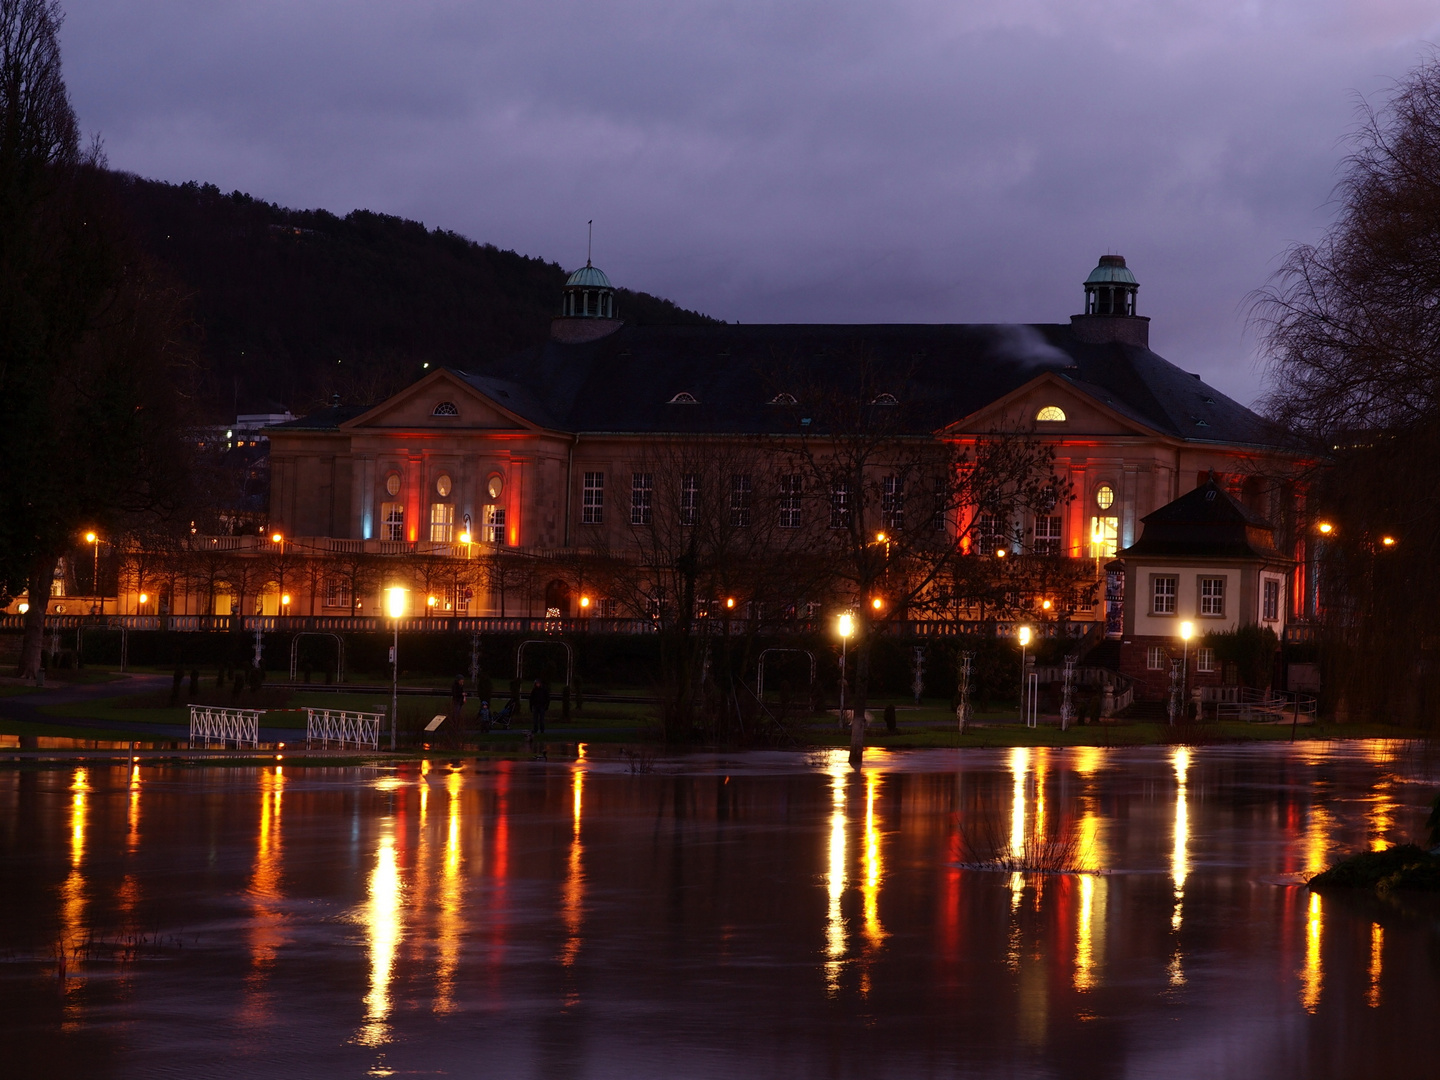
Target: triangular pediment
<point>1070,409</point>
<point>444,401</point>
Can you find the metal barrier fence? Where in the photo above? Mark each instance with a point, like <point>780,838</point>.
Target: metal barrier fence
<point>358,729</point>
<point>238,726</point>
<point>1276,707</point>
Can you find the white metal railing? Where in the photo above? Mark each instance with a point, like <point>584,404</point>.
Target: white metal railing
<point>359,729</point>
<point>238,726</point>
<point>1261,707</point>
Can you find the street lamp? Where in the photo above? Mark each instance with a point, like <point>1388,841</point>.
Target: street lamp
<point>1023,634</point>
<point>1326,528</point>
<point>395,607</point>
<point>846,627</point>
<point>1187,631</point>
<point>94,541</point>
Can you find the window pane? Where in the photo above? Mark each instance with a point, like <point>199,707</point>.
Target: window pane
<point>592,511</point>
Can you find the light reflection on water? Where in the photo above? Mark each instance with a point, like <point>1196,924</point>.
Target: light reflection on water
<point>713,919</point>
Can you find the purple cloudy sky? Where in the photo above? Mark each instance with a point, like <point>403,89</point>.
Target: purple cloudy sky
<point>772,161</point>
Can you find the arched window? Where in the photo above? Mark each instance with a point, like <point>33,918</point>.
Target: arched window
<point>445,408</point>
<point>783,399</point>
<point>684,398</point>
<point>886,399</point>
<point>1051,414</point>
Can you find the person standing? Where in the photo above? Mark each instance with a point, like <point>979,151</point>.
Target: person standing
<point>539,702</point>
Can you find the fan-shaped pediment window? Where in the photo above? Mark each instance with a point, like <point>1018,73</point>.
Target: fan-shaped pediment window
<point>684,398</point>
<point>783,399</point>
<point>445,408</point>
<point>886,399</point>
<point>1051,414</point>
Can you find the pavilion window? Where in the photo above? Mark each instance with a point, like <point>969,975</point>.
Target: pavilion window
<point>1212,596</point>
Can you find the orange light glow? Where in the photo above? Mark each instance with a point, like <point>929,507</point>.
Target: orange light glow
<point>277,538</point>
<point>284,599</point>
<point>730,602</point>
<point>1388,541</point>
<point>464,537</point>
<point>1000,553</point>
<point>90,538</point>
<point>144,598</point>
<point>877,603</point>
<point>1046,605</point>
<point>584,602</point>
<point>1326,528</point>
<point>431,601</point>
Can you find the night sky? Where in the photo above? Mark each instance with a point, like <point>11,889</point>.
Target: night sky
<point>843,161</point>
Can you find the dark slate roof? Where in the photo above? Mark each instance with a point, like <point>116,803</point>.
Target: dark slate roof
<point>940,374</point>
<point>326,419</point>
<point>1208,522</point>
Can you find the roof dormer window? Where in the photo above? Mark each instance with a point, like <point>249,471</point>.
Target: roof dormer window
<point>683,398</point>
<point>783,399</point>
<point>445,408</point>
<point>1051,414</point>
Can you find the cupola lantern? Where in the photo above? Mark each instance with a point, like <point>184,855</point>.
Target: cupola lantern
<point>1110,306</point>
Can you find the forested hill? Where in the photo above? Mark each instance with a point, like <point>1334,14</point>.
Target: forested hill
<point>292,306</point>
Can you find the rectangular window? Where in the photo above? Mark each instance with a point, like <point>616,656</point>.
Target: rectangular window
<point>592,507</point>
<point>892,503</point>
<point>791,486</point>
<point>1155,658</point>
<point>740,495</point>
<point>941,511</point>
<point>493,524</point>
<point>1047,534</point>
<point>1164,596</point>
<point>1270,609</point>
<point>337,593</point>
<point>1204,659</point>
<point>689,498</point>
<point>840,504</point>
<point>988,535</point>
<point>442,522</point>
<point>642,496</point>
<point>392,521</point>
<point>1104,537</point>
<point>1212,596</point>
<point>606,607</point>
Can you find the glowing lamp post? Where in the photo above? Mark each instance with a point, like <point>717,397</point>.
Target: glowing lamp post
<point>1022,634</point>
<point>395,607</point>
<point>94,541</point>
<point>1187,631</point>
<point>846,626</point>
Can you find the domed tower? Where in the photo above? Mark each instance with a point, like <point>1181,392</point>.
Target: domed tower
<point>1110,306</point>
<point>587,307</point>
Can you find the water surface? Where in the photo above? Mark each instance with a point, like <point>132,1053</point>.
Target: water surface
<point>763,915</point>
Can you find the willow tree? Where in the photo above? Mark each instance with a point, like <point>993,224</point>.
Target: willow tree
<point>89,421</point>
<point>1352,329</point>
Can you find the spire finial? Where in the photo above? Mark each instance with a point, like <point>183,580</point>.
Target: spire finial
<point>589,240</point>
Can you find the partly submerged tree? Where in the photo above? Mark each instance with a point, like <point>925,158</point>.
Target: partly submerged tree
<point>89,348</point>
<point>1352,328</point>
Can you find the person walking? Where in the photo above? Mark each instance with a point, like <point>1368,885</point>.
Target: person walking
<point>539,702</point>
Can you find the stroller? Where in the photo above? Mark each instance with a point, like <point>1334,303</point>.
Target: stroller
<point>502,718</point>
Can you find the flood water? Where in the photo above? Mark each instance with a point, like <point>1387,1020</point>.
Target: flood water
<point>766,915</point>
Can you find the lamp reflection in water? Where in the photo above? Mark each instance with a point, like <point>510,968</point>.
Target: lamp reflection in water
<point>874,873</point>
<point>573,896</point>
<point>835,883</point>
<point>450,898</point>
<point>1019,767</point>
<point>132,816</point>
<point>72,893</point>
<point>265,896</point>
<point>1180,855</point>
<point>381,915</point>
<point>1312,976</point>
<point>1377,959</point>
<point>1094,889</point>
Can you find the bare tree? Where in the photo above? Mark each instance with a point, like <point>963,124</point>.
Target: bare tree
<point>1352,329</point>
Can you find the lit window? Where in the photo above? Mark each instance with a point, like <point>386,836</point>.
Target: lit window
<point>392,521</point>
<point>1047,534</point>
<point>445,408</point>
<point>1104,537</point>
<point>1051,414</point>
<point>442,522</point>
<point>337,593</point>
<point>1270,610</point>
<point>892,503</point>
<point>689,498</point>
<point>1105,497</point>
<point>592,509</point>
<point>493,524</point>
<point>392,484</point>
<point>1212,596</point>
<point>1205,659</point>
<point>443,486</point>
<point>740,493</point>
<point>988,534</point>
<point>791,486</point>
<point>840,504</point>
<point>1165,589</point>
<point>642,491</point>
<point>1155,658</point>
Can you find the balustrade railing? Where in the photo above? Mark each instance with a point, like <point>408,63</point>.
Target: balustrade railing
<point>357,729</point>
<point>240,727</point>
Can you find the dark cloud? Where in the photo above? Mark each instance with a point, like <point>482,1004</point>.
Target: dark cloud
<point>840,161</point>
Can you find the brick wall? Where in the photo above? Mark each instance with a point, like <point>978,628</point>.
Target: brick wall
<point>1155,685</point>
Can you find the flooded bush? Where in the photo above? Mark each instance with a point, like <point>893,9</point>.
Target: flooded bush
<point>1404,866</point>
